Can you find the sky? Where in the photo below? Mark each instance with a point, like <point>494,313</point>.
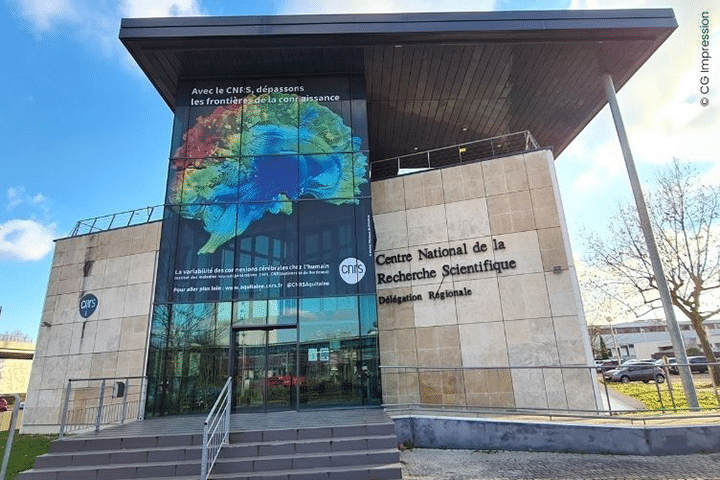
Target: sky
<point>84,134</point>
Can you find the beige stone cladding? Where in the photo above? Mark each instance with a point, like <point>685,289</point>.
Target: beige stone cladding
<point>476,288</point>
<point>118,267</point>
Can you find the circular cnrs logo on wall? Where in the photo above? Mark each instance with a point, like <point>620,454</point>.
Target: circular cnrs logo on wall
<point>88,305</point>
<point>352,270</point>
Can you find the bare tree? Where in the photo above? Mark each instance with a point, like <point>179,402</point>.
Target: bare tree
<point>686,221</point>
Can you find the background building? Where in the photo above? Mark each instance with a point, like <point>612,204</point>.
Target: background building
<point>643,338</point>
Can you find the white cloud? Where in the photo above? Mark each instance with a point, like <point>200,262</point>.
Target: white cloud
<point>98,22</point>
<point>18,196</point>
<point>381,6</point>
<point>45,13</point>
<point>25,240</point>
<point>661,103</point>
<point>159,8</point>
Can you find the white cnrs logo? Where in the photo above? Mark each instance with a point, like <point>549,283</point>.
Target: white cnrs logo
<point>352,270</point>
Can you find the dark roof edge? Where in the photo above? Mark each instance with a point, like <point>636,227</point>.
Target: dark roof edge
<point>169,27</point>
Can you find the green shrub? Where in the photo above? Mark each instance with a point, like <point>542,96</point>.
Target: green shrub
<point>648,395</point>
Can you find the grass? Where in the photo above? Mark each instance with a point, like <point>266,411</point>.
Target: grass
<point>24,451</point>
<point>647,394</point>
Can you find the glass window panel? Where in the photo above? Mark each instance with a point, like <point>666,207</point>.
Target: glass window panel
<point>365,245</point>
<point>188,357</point>
<point>263,272</point>
<point>204,264</point>
<point>329,351</point>
<point>269,177</point>
<point>213,132</point>
<point>357,87</point>
<point>327,238</point>
<point>326,86</point>
<point>265,312</point>
<point>361,174</point>
<point>173,188</point>
<point>180,121</point>
<point>325,127</point>
<point>359,125</point>
<point>166,256</point>
<point>212,180</point>
<point>370,354</point>
<point>327,177</point>
<point>215,120</point>
<point>270,118</point>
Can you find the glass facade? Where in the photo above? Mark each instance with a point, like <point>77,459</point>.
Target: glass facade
<point>266,270</point>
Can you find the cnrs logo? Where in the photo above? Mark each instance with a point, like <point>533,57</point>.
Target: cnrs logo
<point>352,270</point>
<point>88,305</point>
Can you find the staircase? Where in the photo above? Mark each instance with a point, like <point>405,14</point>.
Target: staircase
<point>364,447</point>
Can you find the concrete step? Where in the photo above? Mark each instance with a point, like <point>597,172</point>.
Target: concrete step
<point>379,472</point>
<point>304,461</point>
<point>361,451</point>
<point>123,443</point>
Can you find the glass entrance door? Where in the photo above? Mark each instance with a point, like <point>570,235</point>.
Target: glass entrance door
<point>265,369</point>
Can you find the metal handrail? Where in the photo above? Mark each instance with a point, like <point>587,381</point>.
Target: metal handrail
<point>485,149</point>
<point>94,416</point>
<point>138,216</point>
<point>216,431</point>
<point>11,435</point>
<point>608,410</point>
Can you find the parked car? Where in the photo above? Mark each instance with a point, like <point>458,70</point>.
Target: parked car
<point>642,371</point>
<point>608,365</point>
<point>638,360</point>
<point>598,365</point>
<point>697,365</point>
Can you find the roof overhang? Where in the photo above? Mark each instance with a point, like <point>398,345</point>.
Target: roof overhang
<point>432,79</point>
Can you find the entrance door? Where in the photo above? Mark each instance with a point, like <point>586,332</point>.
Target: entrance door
<point>265,369</point>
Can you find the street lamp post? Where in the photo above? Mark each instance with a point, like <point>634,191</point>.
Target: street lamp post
<point>615,344</point>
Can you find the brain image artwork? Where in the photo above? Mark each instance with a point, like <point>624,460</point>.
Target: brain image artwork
<point>244,161</point>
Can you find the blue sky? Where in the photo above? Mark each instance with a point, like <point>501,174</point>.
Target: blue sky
<point>85,134</point>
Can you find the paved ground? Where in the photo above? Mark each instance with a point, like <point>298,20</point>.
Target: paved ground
<point>428,464</point>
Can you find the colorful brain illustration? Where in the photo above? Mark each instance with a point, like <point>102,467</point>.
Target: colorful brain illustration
<point>247,160</point>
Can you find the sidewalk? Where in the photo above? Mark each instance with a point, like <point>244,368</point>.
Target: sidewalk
<point>428,464</point>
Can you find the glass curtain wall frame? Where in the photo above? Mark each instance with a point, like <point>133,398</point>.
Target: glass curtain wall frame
<point>333,340</point>
<point>230,237</point>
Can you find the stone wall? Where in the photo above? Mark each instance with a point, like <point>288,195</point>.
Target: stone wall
<point>503,307</point>
<point>118,267</point>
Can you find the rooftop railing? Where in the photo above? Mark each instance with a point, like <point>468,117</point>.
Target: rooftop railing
<point>486,149</point>
<point>117,220</point>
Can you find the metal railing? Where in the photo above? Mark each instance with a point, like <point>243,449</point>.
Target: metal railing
<point>426,388</point>
<point>118,220</point>
<point>216,432</point>
<point>17,409</point>
<point>485,149</point>
<point>91,403</point>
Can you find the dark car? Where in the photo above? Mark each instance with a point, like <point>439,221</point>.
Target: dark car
<point>642,371</point>
<point>697,365</point>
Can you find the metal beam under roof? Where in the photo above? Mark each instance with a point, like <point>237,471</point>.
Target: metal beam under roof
<point>432,79</point>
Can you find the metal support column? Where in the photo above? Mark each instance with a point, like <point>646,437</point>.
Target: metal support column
<point>673,329</point>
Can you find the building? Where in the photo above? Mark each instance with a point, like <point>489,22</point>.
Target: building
<point>16,354</point>
<point>361,209</point>
<point>645,338</point>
